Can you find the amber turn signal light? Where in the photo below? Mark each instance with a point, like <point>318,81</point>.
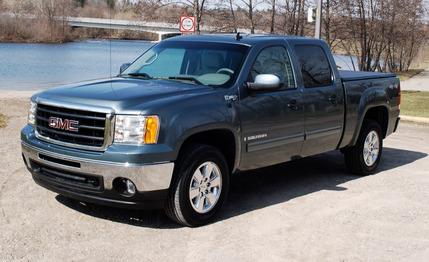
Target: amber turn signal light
<point>151,130</point>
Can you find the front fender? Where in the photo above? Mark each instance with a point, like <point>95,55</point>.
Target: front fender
<point>200,115</point>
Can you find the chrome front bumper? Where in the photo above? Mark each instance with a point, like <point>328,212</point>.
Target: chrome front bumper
<point>149,177</point>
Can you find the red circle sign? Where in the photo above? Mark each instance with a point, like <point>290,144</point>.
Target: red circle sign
<point>187,24</point>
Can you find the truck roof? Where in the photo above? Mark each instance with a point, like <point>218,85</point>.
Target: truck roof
<point>246,39</point>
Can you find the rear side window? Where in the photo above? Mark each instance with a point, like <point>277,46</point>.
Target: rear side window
<point>315,68</point>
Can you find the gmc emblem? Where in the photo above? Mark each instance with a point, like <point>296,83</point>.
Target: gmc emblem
<point>63,124</point>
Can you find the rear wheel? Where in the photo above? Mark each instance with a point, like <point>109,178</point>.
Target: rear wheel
<point>200,186</point>
<point>364,157</point>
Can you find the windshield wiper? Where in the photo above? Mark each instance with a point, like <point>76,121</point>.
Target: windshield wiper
<point>144,75</point>
<point>186,78</point>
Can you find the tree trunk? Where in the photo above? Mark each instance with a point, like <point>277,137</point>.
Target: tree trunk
<point>252,22</point>
<point>273,15</point>
<point>233,16</point>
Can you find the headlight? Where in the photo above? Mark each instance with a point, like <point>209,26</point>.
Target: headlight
<point>136,129</point>
<point>32,113</point>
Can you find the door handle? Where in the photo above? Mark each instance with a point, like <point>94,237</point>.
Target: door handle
<point>333,99</point>
<point>292,105</point>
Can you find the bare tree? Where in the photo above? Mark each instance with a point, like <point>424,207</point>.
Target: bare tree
<point>385,35</point>
<point>148,9</point>
<point>55,12</point>
<point>273,15</point>
<point>250,7</point>
<point>111,4</point>
<point>231,8</point>
<point>293,13</point>
<point>81,3</point>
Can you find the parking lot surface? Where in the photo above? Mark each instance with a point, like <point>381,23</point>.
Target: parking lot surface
<point>307,210</point>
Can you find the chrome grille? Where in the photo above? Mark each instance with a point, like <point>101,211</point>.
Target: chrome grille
<point>93,127</point>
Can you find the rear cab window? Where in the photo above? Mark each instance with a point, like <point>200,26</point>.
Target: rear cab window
<point>315,68</point>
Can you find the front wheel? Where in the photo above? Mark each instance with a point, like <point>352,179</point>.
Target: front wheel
<point>364,157</point>
<point>200,186</point>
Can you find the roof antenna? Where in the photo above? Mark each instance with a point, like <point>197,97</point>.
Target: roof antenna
<point>238,37</point>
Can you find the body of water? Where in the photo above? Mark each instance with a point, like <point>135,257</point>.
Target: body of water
<point>41,66</point>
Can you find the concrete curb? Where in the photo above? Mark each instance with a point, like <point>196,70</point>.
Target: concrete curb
<point>415,119</point>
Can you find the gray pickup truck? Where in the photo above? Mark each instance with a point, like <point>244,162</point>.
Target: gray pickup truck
<point>173,127</point>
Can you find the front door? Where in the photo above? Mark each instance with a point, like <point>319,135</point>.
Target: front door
<point>271,121</point>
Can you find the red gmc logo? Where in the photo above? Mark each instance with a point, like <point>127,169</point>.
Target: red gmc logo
<point>63,124</point>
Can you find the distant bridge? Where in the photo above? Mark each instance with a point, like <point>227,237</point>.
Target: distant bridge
<point>163,30</point>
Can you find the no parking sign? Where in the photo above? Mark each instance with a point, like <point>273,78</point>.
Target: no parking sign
<point>187,24</point>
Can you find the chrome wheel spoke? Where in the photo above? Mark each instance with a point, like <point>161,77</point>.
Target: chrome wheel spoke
<point>211,198</point>
<point>365,152</point>
<point>198,176</point>
<point>374,157</point>
<point>215,181</point>
<point>193,193</point>
<point>368,159</point>
<point>208,169</point>
<point>200,204</point>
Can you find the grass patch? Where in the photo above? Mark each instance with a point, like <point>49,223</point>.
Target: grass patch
<point>404,75</point>
<point>415,103</point>
<point>3,122</point>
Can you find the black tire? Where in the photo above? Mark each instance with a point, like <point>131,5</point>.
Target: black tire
<point>178,206</point>
<point>354,155</point>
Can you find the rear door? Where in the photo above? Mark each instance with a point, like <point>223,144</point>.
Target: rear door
<point>271,120</point>
<point>322,99</point>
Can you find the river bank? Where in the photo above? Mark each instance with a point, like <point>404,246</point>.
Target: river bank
<point>28,30</point>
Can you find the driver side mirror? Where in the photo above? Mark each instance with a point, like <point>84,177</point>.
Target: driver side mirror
<point>124,67</point>
<point>265,82</point>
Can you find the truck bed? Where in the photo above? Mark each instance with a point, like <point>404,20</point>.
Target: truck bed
<point>357,86</point>
<point>362,75</point>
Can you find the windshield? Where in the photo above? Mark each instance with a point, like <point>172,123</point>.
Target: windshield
<point>214,64</point>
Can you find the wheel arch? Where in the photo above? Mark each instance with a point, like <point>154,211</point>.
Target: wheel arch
<point>379,114</point>
<point>223,139</point>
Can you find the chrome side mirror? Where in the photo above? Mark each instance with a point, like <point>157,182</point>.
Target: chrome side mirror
<point>265,82</point>
<point>124,67</point>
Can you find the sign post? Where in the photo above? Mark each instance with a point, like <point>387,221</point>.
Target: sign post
<point>318,27</point>
<point>187,24</point>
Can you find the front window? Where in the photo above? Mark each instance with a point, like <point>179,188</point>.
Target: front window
<point>214,64</point>
<point>274,60</point>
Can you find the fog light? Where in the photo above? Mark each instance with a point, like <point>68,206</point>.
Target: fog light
<point>124,186</point>
<point>131,188</point>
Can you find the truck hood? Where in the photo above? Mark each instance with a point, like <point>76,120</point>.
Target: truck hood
<point>120,94</point>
